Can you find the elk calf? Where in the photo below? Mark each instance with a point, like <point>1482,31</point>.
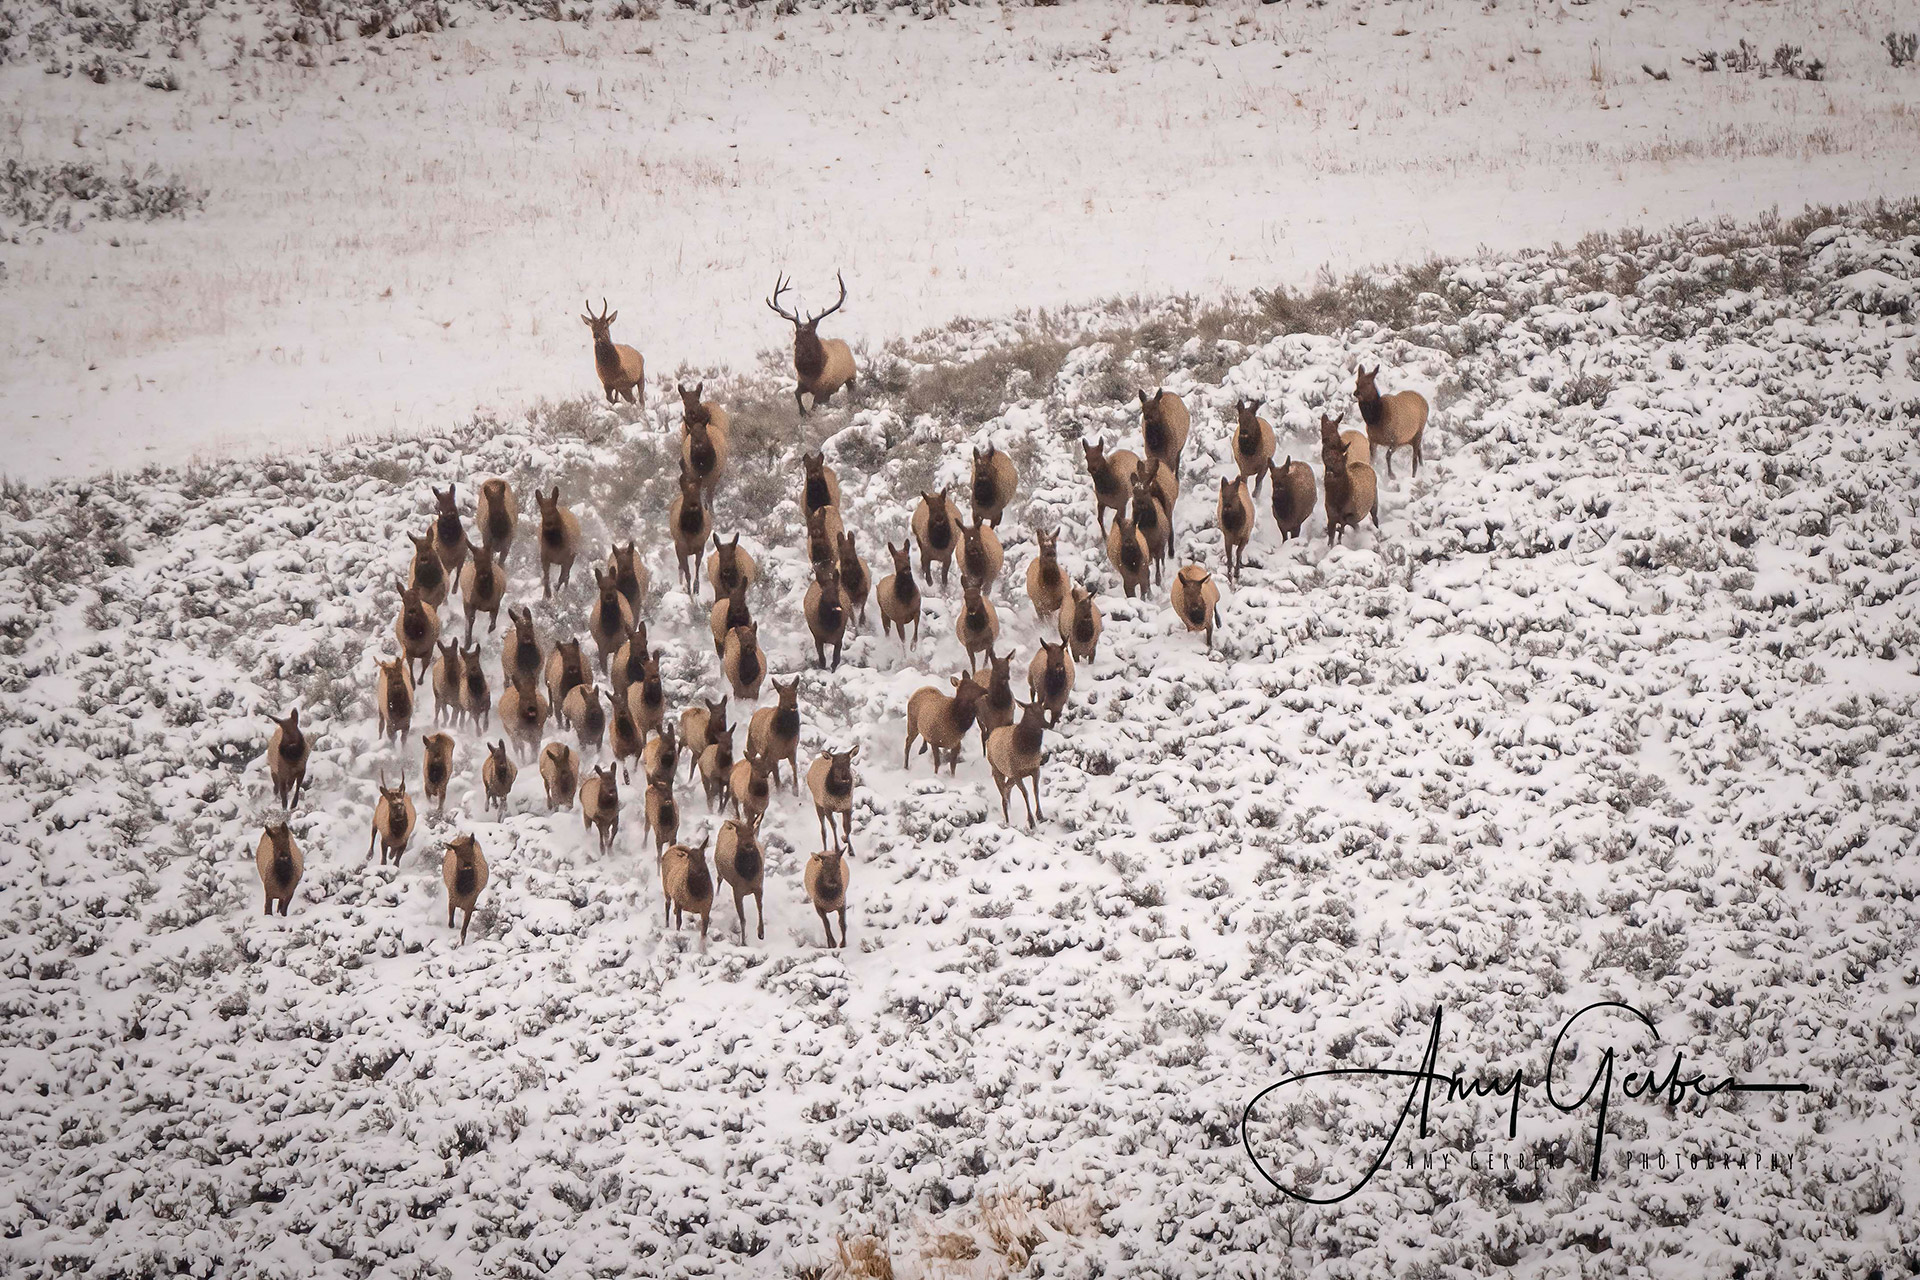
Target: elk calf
<point>1292,496</point>
<point>1013,753</point>
<point>1236,523</point>
<point>941,721</point>
<point>821,368</point>
<point>280,864</point>
<point>826,881</point>
<point>994,482</point>
<point>742,864</point>
<point>497,517</point>
<point>750,788</point>
<point>830,781</point>
<point>436,767</point>
<point>1194,598</point>
<point>716,764</point>
<point>622,372</point>
<point>497,775</point>
<point>560,771</point>
<point>773,734</point>
<point>287,752</point>
<point>449,685</point>
<point>1163,427</point>
<point>559,540</point>
<point>600,805</point>
<point>393,820</point>
<point>700,727</point>
<point>464,871</point>
<point>899,595</point>
<point>688,885</point>
<point>1393,422</point>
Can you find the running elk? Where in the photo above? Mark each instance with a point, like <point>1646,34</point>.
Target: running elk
<point>287,753</point>
<point>1050,678</point>
<point>612,618</point>
<point>1293,497</point>
<point>830,781</point>
<point>742,864</point>
<point>449,535</point>
<point>436,767</point>
<point>994,482</point>
<point>826,881</point>
<point>559,540</point>
<point>1127,551</point>
<point>773,734</point>
<point>464,871</point>
<point>1047,583</point>
<point>1013,753</point>
<point>729,567</point>
<point>394,692</point>
<point>483,584</point>
<point>899,595</point>
<point>496,777</point>
<point>822,368</point>
<point>688,885</point>
<point>393,820</point>
<point>1236,523</point>
<point>826,612</point>
<point>1112,475</point>
<point>560,773</point>
<point>600,805</point>
<point>1080,625</point>
<point>978,624</point>
<point>744,662</point>
<point>417,629</point>
<point>427,575</point>
<point>1163,427</point>
<point>630,574</point>
<point>1252,443</point>
<point>1194,598</point>
<point>280,864</point>
<point>703,437</point>
<point>941,721</point>
<point>497,517</point>
<point>936,527</point>
<point>690,523</point>
<point>1352,494</point>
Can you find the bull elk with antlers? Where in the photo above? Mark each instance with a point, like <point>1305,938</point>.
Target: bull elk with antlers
<point>821,367</point>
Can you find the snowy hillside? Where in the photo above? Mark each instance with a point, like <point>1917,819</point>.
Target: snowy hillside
<point>1618,703</point>
<point>368,235</point>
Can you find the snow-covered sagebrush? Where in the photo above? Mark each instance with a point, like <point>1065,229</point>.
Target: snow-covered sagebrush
<point>1616,704</point>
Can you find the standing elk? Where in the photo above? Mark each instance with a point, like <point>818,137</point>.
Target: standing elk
<point>1393,422</point>
<point>1352,491</point>
<point>822,368</point>
<point>287,753</point>
<point>622,372</point>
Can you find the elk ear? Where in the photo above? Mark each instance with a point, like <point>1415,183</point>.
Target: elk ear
<point>613,317</point>
<point>1143,399</point>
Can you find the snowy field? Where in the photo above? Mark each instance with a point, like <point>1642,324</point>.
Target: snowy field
<point>1617,703</point>
<point>396,231</point>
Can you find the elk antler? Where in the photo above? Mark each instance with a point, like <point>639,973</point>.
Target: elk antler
<point>836,306</point>
<point>780,285</point>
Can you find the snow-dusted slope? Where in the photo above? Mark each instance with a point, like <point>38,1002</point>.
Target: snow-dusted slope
<point>396,231</point>
<point>1618,703</point>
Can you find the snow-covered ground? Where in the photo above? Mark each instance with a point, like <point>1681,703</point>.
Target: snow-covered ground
<point>1618,703</point>
<point>404,230</point>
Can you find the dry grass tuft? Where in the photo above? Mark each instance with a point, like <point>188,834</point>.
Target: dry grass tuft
<point>865,1258</point>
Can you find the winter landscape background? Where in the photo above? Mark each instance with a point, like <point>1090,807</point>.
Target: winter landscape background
<point>1617,703</point>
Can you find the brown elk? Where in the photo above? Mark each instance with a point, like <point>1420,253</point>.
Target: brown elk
<point>1112,475</point>
<point>856,583</point>
<point>280,864</point>
<point>1194,598</point>
<point>742,864</point>
<point>1080,625</point>
<point>1293,497</point>
<point>560,772</point>
<point>394,695</point>
<point>704,438</point>
<point>1047,583</point>
<point>995,481</point>
<point>728,612</point>
<point>475,699</point>
<point>393,822</point>
<point>287,753</point>
<point>996,695</point>
<point>523,714</point>
<point>1163,427</point>
<point>559,540</point>
<point>1252,443</point>
<point>977,624</point>
<point>822,367</point>
<point>566,671</point>
<point>981,555</point>
<point>436,767</point>
<point>940,721</point>
<point>483,585</point>
<point>449,684</point>
<point>520,653</point>
<point>1393,422</point>
<point>1050,678</point>
<point>611,620</point>
<point>826,613</point>
<point>497,517</point>
<point>417,629</point>
<point>1013,753</point>
<point>899,595</point>
<point>826,881</point>
<point>1127,551</point>
<point>690,523</point>
<point>1236,522</point>
<point>449,535</point>
<point>688,885</point>
<point>1352,492</point>
<point>600,805</point>
<point>630,574</point>
<point>830,782</point>
<point>773,734</point>
<point>496,777</point>
<point>744,662</point>
<point>936,527</point>
<point>623,374</point>
<point>464,871</point>
<point>427,575</point>
<point>729,567</point>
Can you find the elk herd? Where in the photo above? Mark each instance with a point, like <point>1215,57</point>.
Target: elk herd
<point>561,706</point>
